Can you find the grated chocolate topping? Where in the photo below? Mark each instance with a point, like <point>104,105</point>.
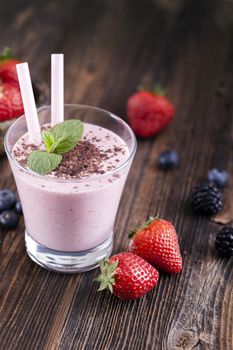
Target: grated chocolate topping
<point>84,159</point>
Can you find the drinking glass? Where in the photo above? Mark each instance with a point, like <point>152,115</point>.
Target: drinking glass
<point>69,223</point>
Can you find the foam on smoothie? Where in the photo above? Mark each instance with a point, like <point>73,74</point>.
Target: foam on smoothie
<point>99,151</point>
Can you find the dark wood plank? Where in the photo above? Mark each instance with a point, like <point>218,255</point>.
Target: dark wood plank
<point>109,50</point>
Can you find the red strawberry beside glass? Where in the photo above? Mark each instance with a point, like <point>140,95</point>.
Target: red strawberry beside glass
<point>11,105</point>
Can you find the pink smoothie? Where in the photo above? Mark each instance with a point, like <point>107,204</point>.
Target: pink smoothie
<point>73,214</point>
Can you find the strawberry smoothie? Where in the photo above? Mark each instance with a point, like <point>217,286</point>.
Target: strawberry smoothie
<point>73,215</point>
<point>71,211</point>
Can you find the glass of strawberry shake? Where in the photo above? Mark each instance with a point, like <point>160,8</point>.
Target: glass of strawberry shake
<point>70,212</point>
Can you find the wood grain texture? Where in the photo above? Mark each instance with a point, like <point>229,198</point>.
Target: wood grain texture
<point>110,48</point>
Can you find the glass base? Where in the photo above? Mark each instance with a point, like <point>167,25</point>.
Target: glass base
<point>68,262</point>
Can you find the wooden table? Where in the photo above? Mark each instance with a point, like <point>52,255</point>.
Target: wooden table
<point>111,47</point>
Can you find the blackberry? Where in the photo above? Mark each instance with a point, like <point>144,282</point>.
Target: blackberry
<point>206,199</point>
<point>224,242</point>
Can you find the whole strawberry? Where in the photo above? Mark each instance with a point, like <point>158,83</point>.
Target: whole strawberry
<point>8,66</point>
<point>11,105</point>
<point>127,276</point>
<point>156,241</point>
<point>149,112</point>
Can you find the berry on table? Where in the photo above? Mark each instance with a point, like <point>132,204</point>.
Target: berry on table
<point>156,241</point>
<point>219,177</point>
<point>7,199</point>
<point>18,208</point>
<point>224,242</point>
<point>149,112</point>
<point>206,199</point>
<point>9,220</point>
<point>127,276</point>
<point>168,160</point>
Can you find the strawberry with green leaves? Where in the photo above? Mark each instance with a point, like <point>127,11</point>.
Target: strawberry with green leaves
<point>8,66</point>
<point>149,112</point>
<point>127,276</point>
<point>11,105</point>
<point>156,241</point>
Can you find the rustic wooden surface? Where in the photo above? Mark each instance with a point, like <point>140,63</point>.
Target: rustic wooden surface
<point>110,47</point>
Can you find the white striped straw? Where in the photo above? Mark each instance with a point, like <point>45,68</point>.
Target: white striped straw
<point>57,88</point>
<point>29,103</point>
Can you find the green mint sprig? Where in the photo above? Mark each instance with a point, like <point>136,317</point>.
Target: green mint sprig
<point>61,138</point>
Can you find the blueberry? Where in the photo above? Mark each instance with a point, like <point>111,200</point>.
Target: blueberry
<point>18,208</point>
<point>168,160</point>
<point>9,219</point>
<point>219,177</point>
<point>7,199</point>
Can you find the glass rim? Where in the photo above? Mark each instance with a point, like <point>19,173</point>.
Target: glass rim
<point>84,179</point>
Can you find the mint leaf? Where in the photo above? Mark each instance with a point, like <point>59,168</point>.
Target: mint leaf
<point>66,135</point>
<point>48,140</point>
<point>72,127</point>
<point>63,145</point>
<point>60,139</point>
<point>43,162</point>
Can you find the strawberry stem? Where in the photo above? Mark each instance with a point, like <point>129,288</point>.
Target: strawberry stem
<point>6,54</point>
<point>159,90</point>
<point>106,277</point>
<point>132,233</point>
<point>143,226</point>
